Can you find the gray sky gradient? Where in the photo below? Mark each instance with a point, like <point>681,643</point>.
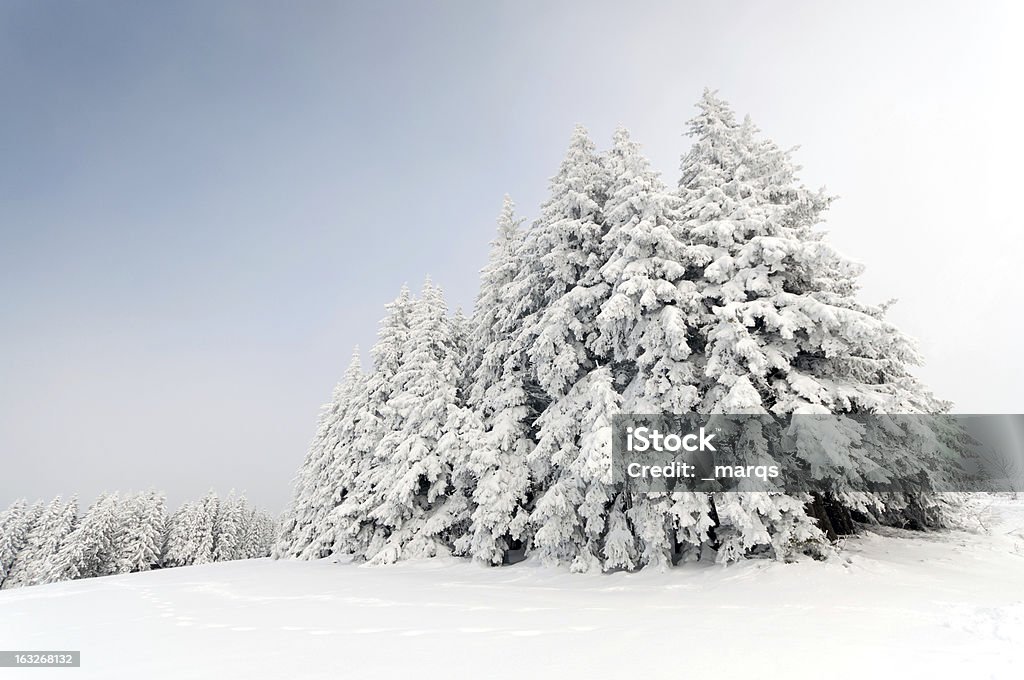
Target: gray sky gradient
<point>205,205</point>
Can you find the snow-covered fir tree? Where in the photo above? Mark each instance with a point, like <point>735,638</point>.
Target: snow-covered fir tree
<point>142,543</point>
<point>490,326</point>
<point>647,329</point>
<point>498,456</point>
<point>94,547</point>
<point>783,331</point>
<point>362,464</point>
<point>203,528</point>
<point>418,500</point>
<point>561,274</point>
<point>563,255</point>
<point>318,491</point>
<point>16,525</point>
<point>178,546</point>
<point>229,529</point>
<point>336,477</point>
<point>258,533</point>
<point>192,532</point>
<point>33,562</point>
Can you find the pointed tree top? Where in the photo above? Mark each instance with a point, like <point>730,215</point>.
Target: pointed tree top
<point>710,97</point>
<point>622,143</point>
<point>432,296</point>
<point>580,142</point>
<point>508,223</point>
<point>404,295</point>
<point>713,109</point>
<point>355,366</point>
<point>508,209</point>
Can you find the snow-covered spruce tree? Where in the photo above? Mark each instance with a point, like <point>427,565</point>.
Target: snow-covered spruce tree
<point>229,529</point>
<point>783,332</point>
<point>265,530</point>
<point>13,534</point>
<point>141,545</point>
<point>241,532</point>
<point>490,331</point>
<point>297,530</point>
<point>728,206</point>
<point>94,547</point>
<point>563,257</point>
<point>51,539</point>
<point>43,541</point>
<point>17,523</point>
<point>176,542</point>
<point>317,487</point>
<point>362,464</point>
<point>206,528</point>
<point>498,396</point>
<point>259,532</point>
<point>57,537</point>
<point>356,435</point>
<point>419,502</point>
<point>191,534</point>
<point>647,328</point>
<point>338,476</point>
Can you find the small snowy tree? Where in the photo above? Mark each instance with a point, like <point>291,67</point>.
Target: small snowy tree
<point>191,534</point>
<point>93,548</point>
<point>257,533</point>
<point>141,544</point>
<point>263,532</point>
<point>204,528</point>
<point>491,325</point>
<point>19,536</point>
<point>177,550</point>
<point>229,529</point>
<point>47,540</point>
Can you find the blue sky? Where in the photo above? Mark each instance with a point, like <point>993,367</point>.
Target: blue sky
<point>204,206</point>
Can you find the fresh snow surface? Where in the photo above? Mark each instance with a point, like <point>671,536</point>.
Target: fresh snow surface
<point>894,604</point>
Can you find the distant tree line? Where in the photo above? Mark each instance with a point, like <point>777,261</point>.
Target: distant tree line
<point>125,533</point>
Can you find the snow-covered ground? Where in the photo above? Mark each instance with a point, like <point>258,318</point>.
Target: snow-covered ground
<point>896,604</point>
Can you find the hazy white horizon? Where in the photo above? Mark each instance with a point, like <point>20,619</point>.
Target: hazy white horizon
<point>205,207</point>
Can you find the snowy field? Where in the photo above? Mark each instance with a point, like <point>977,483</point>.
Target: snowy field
<point>896,604</point>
